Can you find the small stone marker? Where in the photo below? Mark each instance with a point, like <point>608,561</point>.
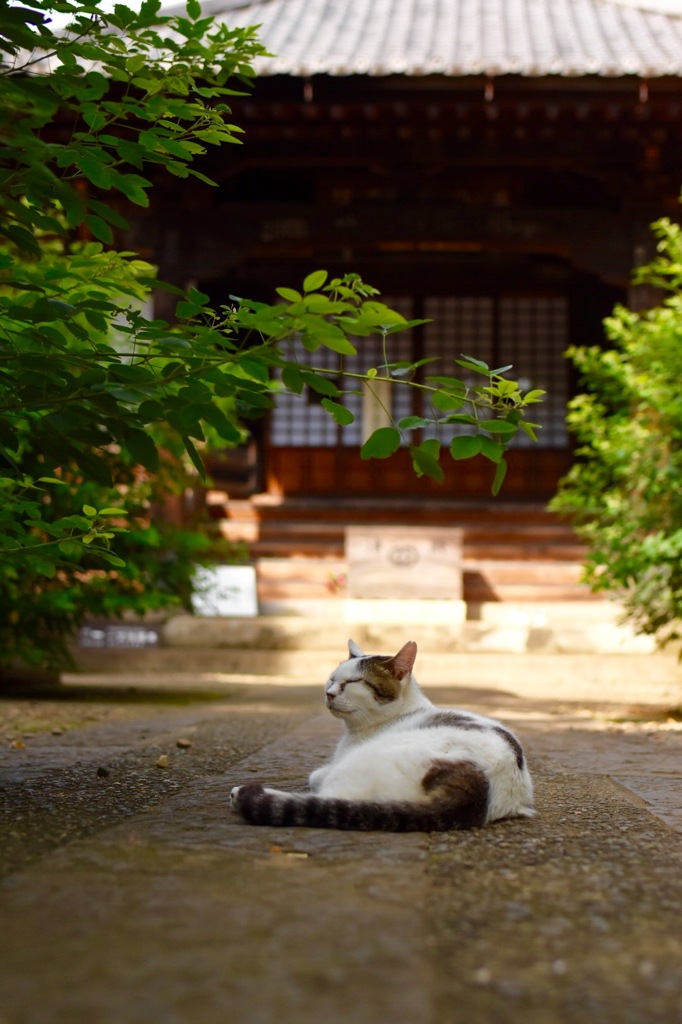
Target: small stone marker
<point>404,562</point>
<point>119,634</point>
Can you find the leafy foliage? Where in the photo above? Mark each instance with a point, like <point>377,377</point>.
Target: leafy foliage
<point>491,412</point>
<point>103,407</point>
<point>65,568</point>
<point>625,492</point>
<point>129,90</point>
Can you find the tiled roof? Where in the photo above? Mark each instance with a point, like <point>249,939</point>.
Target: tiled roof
<point>464,37</point>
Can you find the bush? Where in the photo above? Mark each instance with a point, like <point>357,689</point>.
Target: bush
<point>624,493</point>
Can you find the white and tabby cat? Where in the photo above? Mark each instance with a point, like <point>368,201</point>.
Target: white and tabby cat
<point>404,765</point>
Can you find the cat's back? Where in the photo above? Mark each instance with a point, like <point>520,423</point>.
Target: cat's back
<point>451,731</point>
<point>454,720</point>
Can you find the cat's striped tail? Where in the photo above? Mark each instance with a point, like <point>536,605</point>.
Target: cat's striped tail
<point>260,806</point>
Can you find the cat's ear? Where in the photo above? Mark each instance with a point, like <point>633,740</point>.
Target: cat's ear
<point>354,650</point>
<point>403,662</point>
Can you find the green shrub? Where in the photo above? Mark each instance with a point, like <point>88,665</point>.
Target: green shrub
<point>624,493</point>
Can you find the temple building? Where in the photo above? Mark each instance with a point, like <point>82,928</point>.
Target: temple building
<point>491,165</point>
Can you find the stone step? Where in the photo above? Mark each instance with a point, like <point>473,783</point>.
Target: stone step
<point>393,510</point>
<point>330,518</point>
<point>305,647</point>
<point>642,679</point>
<point>311,543</point>
<point>472,531</point>
<point>299,577</point>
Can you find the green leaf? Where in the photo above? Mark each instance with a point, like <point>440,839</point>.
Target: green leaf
<point>22,238</point>
<point>460,417</point>
<point>446,402</point>
<point>313,282</point>
<point>93,116</point>
<point>492,450</point>
<point>178,169</point>
<point>99,228</point>
<point>425,459</point>
<point>413,422</point>
<point>530,428</point>
<point>44,567</point>
<point>186,420</point>
<point>466,446</point>
<point>142,448</point>
<point>289,294</point>
<point>197,297</point>
<point>202,177</point>
<point>94,467</point>
<point>322,385</point>
<point>381,444</point>
<point>195,457</point>
<point>187,310</point>
<point>133,187</point>
<point>340,413</point>
<point>150,411</point>
<point>71,549</point>
<point>219,421</point>
<point>449,382</point>
<point>533,396</point>
<point>376,314</point>
<point>321,332</point>
<point>477,365</point>
<point>150,9</point>
<point>89,511</point>
<point>107,556</point>
<point>404,325</point>
<point>46,310</point>
<point>292,378</point>
<point>93,166</point>
<point>498,427</point>
<point>500,474</point>
<point>135,63</point>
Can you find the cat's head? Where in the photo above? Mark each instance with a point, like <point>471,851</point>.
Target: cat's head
<point>370,687</point>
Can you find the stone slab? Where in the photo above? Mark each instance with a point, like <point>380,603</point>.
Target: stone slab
<point>404,562</point>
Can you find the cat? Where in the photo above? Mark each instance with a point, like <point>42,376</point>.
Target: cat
<point>403,765</point>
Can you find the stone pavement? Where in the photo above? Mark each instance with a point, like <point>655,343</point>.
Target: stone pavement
<point>130,895</point>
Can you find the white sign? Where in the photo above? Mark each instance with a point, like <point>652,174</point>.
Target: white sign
<point>225,590</point>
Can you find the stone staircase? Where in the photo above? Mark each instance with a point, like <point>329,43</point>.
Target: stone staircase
<point>522,601</point>
<point>511,553</point>
<point>526,621</point>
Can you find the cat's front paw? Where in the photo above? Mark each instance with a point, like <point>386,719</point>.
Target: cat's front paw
<point>317,777</point>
